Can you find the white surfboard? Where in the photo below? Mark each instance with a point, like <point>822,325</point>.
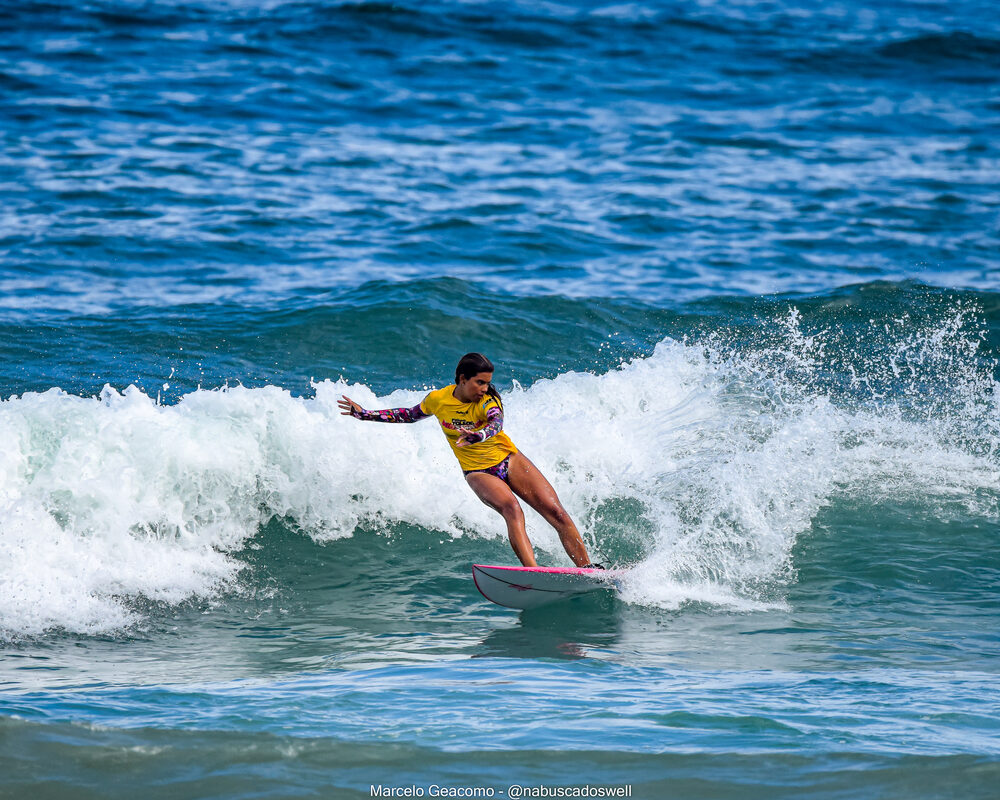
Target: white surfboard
<point>530,587</point>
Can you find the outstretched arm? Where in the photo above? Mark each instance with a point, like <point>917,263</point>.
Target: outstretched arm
<point>414,414</point>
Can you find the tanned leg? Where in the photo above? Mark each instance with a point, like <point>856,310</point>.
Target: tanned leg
<point>498,496</point>
<point>531,486</point>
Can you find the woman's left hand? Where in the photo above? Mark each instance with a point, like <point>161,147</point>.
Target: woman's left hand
<point>465,441</point>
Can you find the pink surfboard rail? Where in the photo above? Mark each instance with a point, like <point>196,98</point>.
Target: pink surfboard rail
<point>549,570</point>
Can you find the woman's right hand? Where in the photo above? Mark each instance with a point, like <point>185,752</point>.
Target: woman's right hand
<point>348,406</point>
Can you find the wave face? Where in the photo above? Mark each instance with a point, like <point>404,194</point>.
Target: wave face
<point>699,466</point>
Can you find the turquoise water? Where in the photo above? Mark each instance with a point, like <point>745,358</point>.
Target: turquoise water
<point>736,265</point>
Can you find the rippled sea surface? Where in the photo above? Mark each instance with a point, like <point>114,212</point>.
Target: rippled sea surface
<point>737,266</point>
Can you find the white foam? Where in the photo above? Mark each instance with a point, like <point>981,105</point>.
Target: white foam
<point>723,458</point>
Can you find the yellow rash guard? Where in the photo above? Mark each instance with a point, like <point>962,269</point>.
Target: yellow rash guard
<point>456,417</point>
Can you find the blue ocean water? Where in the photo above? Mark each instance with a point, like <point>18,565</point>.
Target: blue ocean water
<point>736,263</point>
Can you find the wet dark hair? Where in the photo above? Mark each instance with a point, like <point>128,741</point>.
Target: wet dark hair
<point>470,365</point>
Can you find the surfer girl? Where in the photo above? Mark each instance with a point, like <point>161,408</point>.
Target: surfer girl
<point>471,416</point>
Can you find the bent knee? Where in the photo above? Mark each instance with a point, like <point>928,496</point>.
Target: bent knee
<point>557,515</point>
<point>510,509</point>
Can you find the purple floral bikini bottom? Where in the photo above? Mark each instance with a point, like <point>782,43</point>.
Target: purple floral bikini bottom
<point>500,470</point>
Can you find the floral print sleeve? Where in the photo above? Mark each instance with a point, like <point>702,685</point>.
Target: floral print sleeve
<point>494,424</point>
<point>391,414</point>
